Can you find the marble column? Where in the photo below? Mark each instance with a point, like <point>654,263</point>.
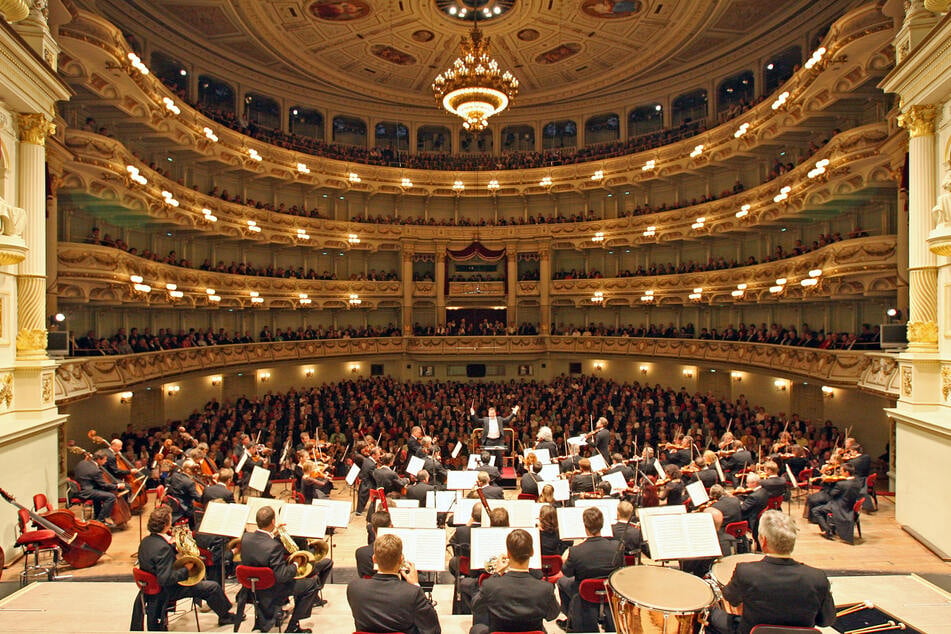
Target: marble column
<point>31,273</point>
<point>408,285</point>
<point>440,284</point>
<point>511,275</point>
<point>544,288</point>
<point>919,120</point>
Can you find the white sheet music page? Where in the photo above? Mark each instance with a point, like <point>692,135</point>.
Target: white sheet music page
<point>305,520</point>
<point>224,519</point>
<point>440,500</point>
<point>597,462</point>
<point>412,517</point>
<point>461,480</point>
<point>571,524</point>
<point>659,468</point>
<point>415,465</point>
<point>259,478</point>
<point>543,455</point>
<point>521,512</point>
<point>697,492</point>
<point>562,489</point>
<point>719,470</point>
<point>462,510</point>
<point>616,480</point>
<point>549,472</point>
<point>646,514</point>
<point>425,547</point>
<point>456,450</point>
<point>405,503</point>
<point>254,504</point>
<point>244,459</point>
<point>490,542</point>
<point>338,512</point>
<point>608,508</point>
<point>352,475</point>
<point>688,536</point>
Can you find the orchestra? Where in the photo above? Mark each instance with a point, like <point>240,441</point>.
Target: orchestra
<point>738,488</point>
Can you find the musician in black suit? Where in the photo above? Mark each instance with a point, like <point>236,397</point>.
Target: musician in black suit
<point>431,464</point>
<point>484,462</point>
<point>618,466</point>
<point>594,558</point>
<point>367,467</point>
<point>157,556</point>
<point>754,502</point>
<point>414,446</point>
<point>543,440</point>
<point>461,540</point>
<point>674,490</point>
<point>115,448</point>
<point>419,490</point>
<point>707,473</point>
<point>220,490</point>
<point>387,479</point>
<point>530,479</point>
<point>631,533</point>
<point>728,505</point>
<point>216,544</point>
<point>586,481</point>
<point>600,438</point>
<point>774,483</point>
<point>181,486</point>
<point>261,549</point>
<point>836,517</point>
<point>777,590</point>
<point>513,600</point>
<point>392,600</point>
<point>93,485</point>
<point>491,491</point>
<point>550,541</point>
<point>493,429</point>
<point>364,554</point>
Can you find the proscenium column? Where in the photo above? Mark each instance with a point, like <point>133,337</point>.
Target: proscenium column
<point>511,276</point>
<point>408,286</point>
<point>922,264</point>
<point>31,272</point>
<point>441,284</point>
<point>544,288</point>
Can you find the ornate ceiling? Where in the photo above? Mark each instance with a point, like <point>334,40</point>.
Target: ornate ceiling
<point>390,50</point>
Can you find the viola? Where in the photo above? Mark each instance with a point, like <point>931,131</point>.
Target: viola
<point>82,543</point>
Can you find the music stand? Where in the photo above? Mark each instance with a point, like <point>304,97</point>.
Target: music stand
<point>224,520</point>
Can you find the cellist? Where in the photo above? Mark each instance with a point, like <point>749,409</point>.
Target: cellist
<point>93,485</point>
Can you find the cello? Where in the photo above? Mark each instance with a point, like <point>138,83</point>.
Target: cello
<point>134,484</point>
<point>82,543</point>
<point>121,512</point>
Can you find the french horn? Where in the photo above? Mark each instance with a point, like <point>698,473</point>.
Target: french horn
<point>188,554</point>
<point>303,560</point>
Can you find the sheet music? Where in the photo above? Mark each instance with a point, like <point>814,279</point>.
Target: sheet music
<point>549,472</point>
<point>338,512</point>
<point>719,470</point>
<point>608,507</point>
<point>597,462</point>
<point>425,547</point>
<point>254,504</point>
<point>521,512</point>
<point>543,455</point>
<point>687,536</point>
<point>461,480</point>
<point>792,478</point>
<point>659,468</point>
<point>645,515</point>
<point>571,524</point>
<point>403,517</point>
<point>404,503</point>
<point>490,542</point>
<point>456,450</point>
<point>352,475</point>
<point>224,519</point>
<point>697,492</point>
<point>616,480</point>
<point>442,501</point>
<point>304,520</point>
<point>577,441</point>
<point>475,462</point>
<point>562,489</point>
<point>462,510</point>
<point>415,465</point>
<point>259,478</point>
<point>244,458</point>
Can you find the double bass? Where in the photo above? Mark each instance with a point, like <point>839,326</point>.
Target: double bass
<point>82,543</point>
<point>135,484</point>
<point>121,512</point>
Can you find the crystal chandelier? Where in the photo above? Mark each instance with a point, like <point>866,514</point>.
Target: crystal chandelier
<point>475,88</point>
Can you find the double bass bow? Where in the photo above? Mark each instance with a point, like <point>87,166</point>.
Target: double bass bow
<point>82,543</point>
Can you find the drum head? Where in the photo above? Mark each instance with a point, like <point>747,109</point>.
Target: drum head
<point>723,570</point>
<point>663,589</point>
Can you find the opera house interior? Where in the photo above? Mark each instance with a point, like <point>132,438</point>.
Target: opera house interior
<point>273,249</point>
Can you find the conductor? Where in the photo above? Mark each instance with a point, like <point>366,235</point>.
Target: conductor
<point>493,430</point>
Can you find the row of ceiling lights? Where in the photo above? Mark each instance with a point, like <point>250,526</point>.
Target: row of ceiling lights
<point>139,285</point>
<point>599,299</point>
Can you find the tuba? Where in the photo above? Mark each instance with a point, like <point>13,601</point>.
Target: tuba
<point>303,560</point>
<point>188,553</point>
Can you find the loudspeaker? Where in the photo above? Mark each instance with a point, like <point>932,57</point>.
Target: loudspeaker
<point>574,367</point>
<point>475,370</point>
<point>376,369</point>
<point>57,343</point>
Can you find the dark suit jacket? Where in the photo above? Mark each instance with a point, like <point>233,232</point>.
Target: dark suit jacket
<point>862,464</point>
<point>843,496</point>
<point>708,476</point>
<point>493,492</point>
<point>549,445</point>
<point>632,539</point>
<point>89,477</point>
<point>261,550</point>
<point>516,602</point>
<point>387,479</point>
<point>367,467</point>
<point>530,483</point>
<point>461,540</point>
<point>624,470</point>
<point>731,509</point>
<point>436,470</point>
<point>386,603</point>
<point>752,505</point>
<point>594,558</point>
<point>601,441</point>
<point>112,467</point>
<point>157,556</point>
<point>775,486</point>
<point>495,476</point>
<point>217,492</point>
<point>364,556</point>
<point>552,544</point>
<point>183,489</point>
<point>414,448</point>
<point>585,482</point>
<point>780,591</point>
<point>418,492</point>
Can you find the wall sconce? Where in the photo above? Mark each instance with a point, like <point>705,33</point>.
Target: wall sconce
<point>598,366</point>
<point>216,380</point>
<point>688,373</point>
<point>309,372</point>
<point>828,392</point>
<point>125,397</point>
<point>781,384</point>
<point>173,390</point>
<point>643,369</point>
<point>264,376</point>
<point>737,376</point>
<point>354,368</point>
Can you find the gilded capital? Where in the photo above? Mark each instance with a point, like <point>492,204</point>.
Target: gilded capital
<point>923,332</point>
<point>34,128</point>
<point>938,6</point>
<point>918,120</point>
<point>14,10</point>
<point>31,342</point>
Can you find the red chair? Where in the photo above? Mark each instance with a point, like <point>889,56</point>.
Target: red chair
<point>33,543</point>
<point>73,498</point>
<point>856,512</point>
<point>379,495</point>
<point>738,531</point>
<point>465,566</point>
<point>253,579</point>
<point>775,503</point>
<point>527,496</point>
<point>632,560</point>
<point>551,567</point>
<point>159,495</point>
<point>595,591</point>
<point>41,504</point>
<point>148,586</point>
<point>870,489</point>
<point>483,577</point>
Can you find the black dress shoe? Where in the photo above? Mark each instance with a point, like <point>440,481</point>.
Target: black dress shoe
<point>829,536</point>
<point>295,627</point>
<point>319,603</point>
<point>230,618</point>
<point>562,623</point>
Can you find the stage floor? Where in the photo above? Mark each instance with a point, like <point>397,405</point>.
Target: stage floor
<point>89,606</point>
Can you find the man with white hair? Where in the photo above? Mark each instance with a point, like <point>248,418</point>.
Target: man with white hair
<point>543,440</point>
<point>777,590</point>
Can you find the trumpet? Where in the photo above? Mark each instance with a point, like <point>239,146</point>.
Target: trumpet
<point>497,565</point>
<point>188,554</point>
<point>303,560</point>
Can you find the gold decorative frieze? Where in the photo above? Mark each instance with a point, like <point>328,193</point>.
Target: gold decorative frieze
<point>47,387</point>
<point>918,120</point>
<point>922,332</point>
<point>946,383</point>
<point>31,342</point>
<point>938,6</point>
<point>906,381</point>
<point>6,389</point>
<point>35,128</point>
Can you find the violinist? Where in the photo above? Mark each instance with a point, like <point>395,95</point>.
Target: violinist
<point>387,479</point>
<point>367,457</point>
<point>774,483</point>
<point>835,517</point>
<point>673,489</point>
<point>631,533</point>
<point>543,440</point>
<point>221,490</point>
<point>530,478</point>
<point>419,490</point>
<point>587,481</point>
<point>414,443</point>
<point>549,539</point>
<point>783,445</point>
<point>680,451</point>
<point>491,491</point>
<point>754,502</point>
<point>706,469</point>
<point>93,485</point>
<point>856,456</point>
<point>729,506</point>
<point>180,485</point>
<point>828,479</point>
<point>600,438</point>
<point>431,462</point>
<point>619,466</point>
<point>571,461</point>
<point>315,483</point>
